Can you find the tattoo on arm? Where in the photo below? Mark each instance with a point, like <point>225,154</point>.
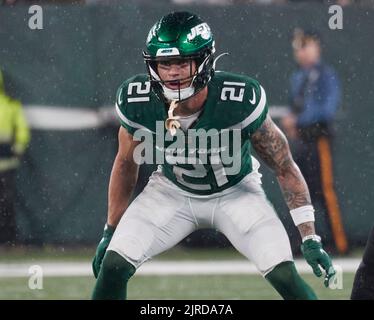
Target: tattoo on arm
<point>271,145</point>
<point>306,228</point>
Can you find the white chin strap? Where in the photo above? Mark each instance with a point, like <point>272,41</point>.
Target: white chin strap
<point>170,94</point>
<point>180,94</point>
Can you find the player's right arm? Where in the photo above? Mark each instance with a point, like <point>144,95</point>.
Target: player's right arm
<point>121,186</point>
<point>125,170</point>
<point>122,178</point>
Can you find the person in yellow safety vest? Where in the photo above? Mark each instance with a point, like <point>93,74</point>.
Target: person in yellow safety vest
<point>14,138</point>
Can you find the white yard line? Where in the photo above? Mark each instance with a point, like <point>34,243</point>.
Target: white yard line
<point>71,269</point>
<point>57,118</point>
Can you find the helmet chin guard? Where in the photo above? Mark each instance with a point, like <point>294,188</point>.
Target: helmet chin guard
<point>179,94</point>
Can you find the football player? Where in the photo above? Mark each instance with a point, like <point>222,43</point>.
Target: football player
<point>195,186</point>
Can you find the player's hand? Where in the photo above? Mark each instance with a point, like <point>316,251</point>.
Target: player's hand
<point>316,257</point>
<point>101,249</point>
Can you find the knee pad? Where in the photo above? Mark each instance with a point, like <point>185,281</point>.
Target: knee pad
<point>115,265</point>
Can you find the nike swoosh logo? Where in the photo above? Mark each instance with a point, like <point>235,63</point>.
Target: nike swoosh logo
<point>253,100</point>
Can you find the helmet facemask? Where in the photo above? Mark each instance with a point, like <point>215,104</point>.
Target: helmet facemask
<point>198,80</point>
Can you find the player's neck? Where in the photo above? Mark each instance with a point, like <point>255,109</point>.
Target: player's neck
<point>193,104</point>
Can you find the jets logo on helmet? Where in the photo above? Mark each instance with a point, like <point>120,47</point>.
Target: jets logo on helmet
<point>180,36</point>
<point>202,30</point>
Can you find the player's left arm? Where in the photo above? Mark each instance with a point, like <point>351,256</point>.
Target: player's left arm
<point>271,145</point>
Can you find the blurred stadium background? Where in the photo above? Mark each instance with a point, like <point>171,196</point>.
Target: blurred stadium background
<point>66,76</point>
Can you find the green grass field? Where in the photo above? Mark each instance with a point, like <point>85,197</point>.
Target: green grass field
<point>228,287</point>
<point>181,287</point>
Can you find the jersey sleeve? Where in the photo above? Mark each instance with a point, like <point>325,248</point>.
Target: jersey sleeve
<point>259,109</point>
<point>122,111</point>
<point>253,108</point>
<point>129,104</point>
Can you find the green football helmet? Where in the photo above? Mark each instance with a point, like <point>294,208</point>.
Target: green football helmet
<point>180,35</point>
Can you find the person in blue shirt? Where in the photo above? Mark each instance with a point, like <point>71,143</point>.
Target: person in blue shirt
<point>315,95</point>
